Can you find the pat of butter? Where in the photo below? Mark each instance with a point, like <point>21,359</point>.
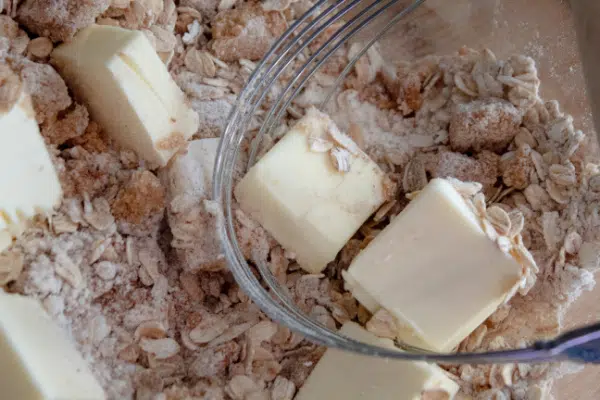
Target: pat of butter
<point>435,270</point>
<point>360,294</point>
<point>128,90</point>
<point>29,184</point>
<point>349,376</point>
<point>299,196</point>
<point>36,359</point>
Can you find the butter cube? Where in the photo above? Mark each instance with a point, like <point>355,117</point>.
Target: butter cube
<point>349,376</point>
<point>435,270</point>
<point>313,190</point>
<point>28,183</point>
<point>360,294</point>
<point>127,90</point>
<point>36,359</point>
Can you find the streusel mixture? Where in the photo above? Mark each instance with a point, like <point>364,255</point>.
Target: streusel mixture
<point>134,274</point>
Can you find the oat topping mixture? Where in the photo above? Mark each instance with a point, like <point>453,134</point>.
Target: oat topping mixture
<point>133,272</point>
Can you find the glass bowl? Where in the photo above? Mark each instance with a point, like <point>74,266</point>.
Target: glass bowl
<point>404,30</point>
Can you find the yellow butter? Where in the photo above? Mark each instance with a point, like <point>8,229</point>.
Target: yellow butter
<point>435,270</point>
<point>37,361</point>
<point>128,90</point>
<point>349,376</point>
<point>29,183</point>
<point>301,198</point>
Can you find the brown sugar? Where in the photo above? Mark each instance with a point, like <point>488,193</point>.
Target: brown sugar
<point>484,125</point>
<point>72,125</point>
<point>247,31</point>
<point>142,198</point>
<point>59,20</point>
<point>465,168</point>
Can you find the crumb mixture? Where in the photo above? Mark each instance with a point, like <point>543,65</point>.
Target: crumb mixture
<point>134,274</point>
